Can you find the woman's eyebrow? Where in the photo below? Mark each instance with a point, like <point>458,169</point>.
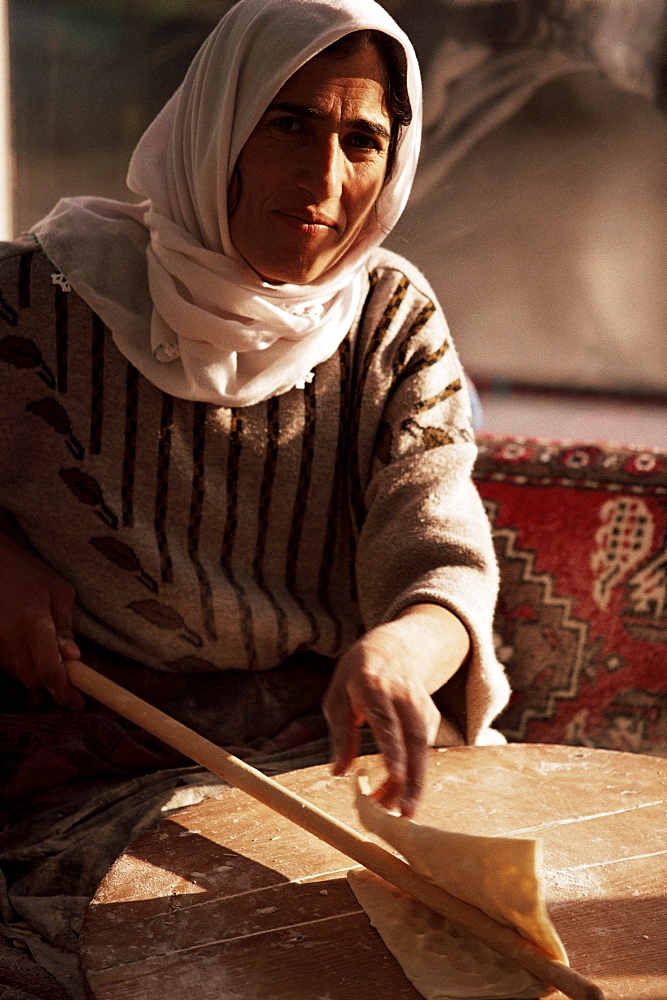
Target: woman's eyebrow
<point>305,111</point>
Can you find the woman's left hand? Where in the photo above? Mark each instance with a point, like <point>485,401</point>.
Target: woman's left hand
<point>386,679</point>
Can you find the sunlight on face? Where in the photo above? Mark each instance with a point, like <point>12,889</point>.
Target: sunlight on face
<point>312,169</point>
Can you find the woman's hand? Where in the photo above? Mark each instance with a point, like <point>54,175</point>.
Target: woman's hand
<point>386,679</point>
<point>36,607</point>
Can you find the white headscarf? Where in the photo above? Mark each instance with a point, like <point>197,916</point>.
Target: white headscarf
<point>204,326</point>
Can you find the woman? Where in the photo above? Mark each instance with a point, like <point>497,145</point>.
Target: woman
<point>242,424</point>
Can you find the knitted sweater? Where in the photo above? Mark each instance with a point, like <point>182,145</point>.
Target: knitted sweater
<point>201,538</point>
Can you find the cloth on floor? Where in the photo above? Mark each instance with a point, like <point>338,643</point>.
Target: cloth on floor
<point>53,859</point>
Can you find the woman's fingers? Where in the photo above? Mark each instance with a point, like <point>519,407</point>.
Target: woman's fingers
<point>343,726</point>
<point>45,657</point>
<point>369,686</point>
<point>62,612</point>
<point>43,667</point>
<point>405,744</point>
<point>386,678</point>
<point>419,738</point>
<point>384,717</point>
<point>36,617</point>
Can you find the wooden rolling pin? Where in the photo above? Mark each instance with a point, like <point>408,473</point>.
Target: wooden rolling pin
<point>500,938</point>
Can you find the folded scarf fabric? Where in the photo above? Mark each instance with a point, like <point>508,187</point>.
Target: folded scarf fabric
<point>181,303</point>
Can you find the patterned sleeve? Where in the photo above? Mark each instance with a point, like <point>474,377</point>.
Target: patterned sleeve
<point>423,533</point>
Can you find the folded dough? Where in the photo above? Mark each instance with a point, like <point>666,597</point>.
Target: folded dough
<point>499,875</point>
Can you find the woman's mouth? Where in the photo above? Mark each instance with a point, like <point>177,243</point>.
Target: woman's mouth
<point>310,224</point>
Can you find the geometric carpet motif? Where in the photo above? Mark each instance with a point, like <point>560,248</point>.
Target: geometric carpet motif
<point>580,533</point>
<point>536,637</point>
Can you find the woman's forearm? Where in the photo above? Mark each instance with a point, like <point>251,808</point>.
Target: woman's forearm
<point>438,640</point>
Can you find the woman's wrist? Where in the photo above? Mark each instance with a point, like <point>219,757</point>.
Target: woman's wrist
<point>437,639</point>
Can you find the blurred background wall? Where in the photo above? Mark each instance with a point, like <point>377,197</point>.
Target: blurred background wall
<point>87,76</point>
<point>539,212</point>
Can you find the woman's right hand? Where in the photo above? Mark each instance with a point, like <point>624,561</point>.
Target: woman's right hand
<point>36,637</point>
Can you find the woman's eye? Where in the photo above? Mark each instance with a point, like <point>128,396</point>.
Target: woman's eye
<point>363,141</point>
<point>286,124</point>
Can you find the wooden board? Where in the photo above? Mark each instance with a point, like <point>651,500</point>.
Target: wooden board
<point>229,901</point>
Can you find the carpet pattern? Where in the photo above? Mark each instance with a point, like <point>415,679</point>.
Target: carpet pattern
<point>581,537</point>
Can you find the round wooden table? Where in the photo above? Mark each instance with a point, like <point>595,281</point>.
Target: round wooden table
<point>227,900</point>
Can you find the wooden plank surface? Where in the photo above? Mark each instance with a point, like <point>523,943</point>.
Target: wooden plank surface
<point>228,900</point>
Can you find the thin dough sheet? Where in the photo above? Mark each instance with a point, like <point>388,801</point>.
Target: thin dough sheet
<point>499,875</point>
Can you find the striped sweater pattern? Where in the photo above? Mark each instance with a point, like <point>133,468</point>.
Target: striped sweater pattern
<point>201,538</point>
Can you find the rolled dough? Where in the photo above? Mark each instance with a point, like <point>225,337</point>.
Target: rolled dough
<point>499,875</point>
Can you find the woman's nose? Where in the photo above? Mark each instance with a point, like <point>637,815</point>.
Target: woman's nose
<point>322,169</point>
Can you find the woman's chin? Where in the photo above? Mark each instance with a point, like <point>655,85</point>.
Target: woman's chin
<point>290,272</point>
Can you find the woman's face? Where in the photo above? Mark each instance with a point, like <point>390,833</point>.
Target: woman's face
<point>312,169</point>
